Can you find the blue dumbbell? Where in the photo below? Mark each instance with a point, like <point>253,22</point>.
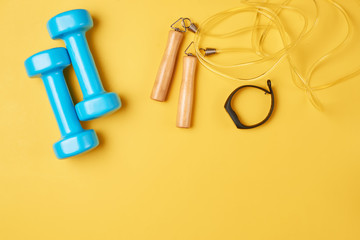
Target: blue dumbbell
<point>49,66</point>
<point>71,26</point>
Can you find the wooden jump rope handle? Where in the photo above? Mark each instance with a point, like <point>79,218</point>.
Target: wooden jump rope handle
<point>186,96</point>
<point>167,65</point>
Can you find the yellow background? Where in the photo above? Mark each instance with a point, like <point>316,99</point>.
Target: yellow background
<point>295,178</point>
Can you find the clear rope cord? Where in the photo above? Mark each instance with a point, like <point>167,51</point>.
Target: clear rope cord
<point>260,31</point>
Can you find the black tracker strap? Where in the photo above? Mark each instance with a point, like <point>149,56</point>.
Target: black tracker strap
<point>233,115</point>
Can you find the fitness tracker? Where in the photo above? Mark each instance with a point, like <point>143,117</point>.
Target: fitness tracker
<point>234,117</point>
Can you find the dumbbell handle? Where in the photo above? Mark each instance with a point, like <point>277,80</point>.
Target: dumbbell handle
<point>186,96</point>
<point>61,103</point>
<point>83,63</point>
<point>166,69</point>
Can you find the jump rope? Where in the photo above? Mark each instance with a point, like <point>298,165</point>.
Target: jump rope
<point>271,13</point>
